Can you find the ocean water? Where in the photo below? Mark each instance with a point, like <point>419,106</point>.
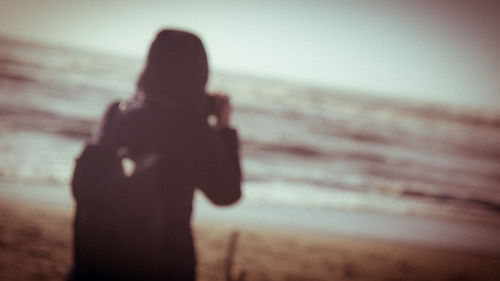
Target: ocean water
<point>302,146</point>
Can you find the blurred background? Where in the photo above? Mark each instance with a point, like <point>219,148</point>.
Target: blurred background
<point>374,119</point>
<point>361,107</point>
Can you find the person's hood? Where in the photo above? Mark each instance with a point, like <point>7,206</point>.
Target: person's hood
<point>176,70</point>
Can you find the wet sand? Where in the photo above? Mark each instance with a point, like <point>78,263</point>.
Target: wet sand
<point>35,244</point>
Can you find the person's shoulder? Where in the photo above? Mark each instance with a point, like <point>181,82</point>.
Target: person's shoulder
<point>131,110</point>
<point>111,109</point>
<point>122,112</point>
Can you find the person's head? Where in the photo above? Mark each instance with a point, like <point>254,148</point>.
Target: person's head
<point>176,70</point>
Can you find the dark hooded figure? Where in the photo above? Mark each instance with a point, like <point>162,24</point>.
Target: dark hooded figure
<point>165,123</point>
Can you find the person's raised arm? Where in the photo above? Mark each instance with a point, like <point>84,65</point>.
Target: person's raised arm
<point>220,164</point>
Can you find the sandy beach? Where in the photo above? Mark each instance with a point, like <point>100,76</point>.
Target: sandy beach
<point>35,242</point>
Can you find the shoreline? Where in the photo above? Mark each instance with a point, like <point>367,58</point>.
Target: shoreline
<point>455,235</point>
<point>460,236</point>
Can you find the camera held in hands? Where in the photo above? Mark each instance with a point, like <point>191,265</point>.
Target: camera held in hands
<point>216,103</point>
<point>218,111</point>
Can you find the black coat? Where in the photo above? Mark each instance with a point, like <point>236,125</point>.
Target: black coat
<point>193,155</point>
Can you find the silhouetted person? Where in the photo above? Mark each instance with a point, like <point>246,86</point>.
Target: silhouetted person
<point>164,125</point>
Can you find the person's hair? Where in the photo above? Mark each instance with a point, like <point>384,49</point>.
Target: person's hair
<point>176,69</point>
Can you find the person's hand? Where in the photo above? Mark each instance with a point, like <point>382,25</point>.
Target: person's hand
<point>223,113</point>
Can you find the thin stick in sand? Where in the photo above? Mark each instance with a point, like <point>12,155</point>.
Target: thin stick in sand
<point>233,239</point>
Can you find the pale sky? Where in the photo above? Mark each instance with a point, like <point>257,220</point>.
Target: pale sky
<point>444,51</point>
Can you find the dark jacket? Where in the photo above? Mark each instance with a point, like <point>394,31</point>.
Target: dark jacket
<point>193,155</point>
<point>190,152</point>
